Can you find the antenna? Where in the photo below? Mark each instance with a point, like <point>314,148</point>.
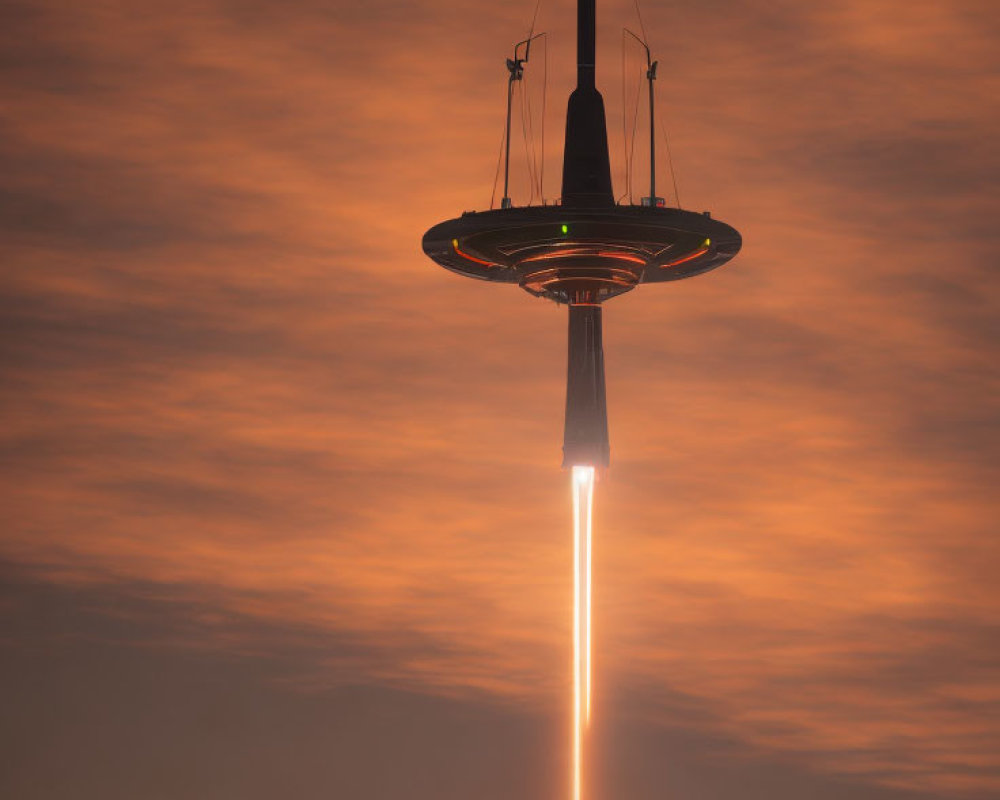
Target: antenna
<point>515,66</point>
<point>651,65</point>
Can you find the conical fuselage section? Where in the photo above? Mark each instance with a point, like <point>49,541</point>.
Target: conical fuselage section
<point>586,184</point>
<point>586,179</point>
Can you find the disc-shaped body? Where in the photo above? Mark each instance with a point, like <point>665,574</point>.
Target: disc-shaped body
<point>581,255</point>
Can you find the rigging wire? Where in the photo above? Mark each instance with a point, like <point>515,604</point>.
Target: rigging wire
<point>642,28</point>
<point>526,131</point>
<point>629,133</point>
<point>670,163</point>
<point>630,148</point>
<point>630,140</point>
<point>635,129</point>
<point>627,192</point>
<point>528,128</point>
<point>535,151</point>
<point>496,176</point>
<point>535,155</point>
<point>534,19</point>
<point>663,127</point>
<point>545,86</point>
<point>535,161</point>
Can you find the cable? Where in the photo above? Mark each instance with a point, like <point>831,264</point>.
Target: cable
<point>517,76</point>
<point>642,27</point>
<point>535,171</point>
<point>496,177</point>
<point>627,192</point>
<point>630,143</point>
<point>545,87</point>
<point>670,162</point>
<point>534,18</point>
<point>531,150</point>
<point>525,104</point>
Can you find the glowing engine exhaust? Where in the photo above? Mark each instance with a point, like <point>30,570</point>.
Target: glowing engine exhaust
<point>583,503</point>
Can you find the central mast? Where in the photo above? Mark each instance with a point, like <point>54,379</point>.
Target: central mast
<point>586,185</point>
<point>586,35</point>
<point>586,164</point>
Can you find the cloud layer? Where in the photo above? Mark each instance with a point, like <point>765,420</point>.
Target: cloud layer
<point>229,371</point>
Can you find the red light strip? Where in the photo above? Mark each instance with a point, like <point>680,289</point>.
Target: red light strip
<point>575,253</point>
<point>691,257</point>
<point>463,254</point>
<point>623,257</point>
<point>557,254</point>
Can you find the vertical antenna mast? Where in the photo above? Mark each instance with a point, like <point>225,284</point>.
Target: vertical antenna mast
<point>515,66</point>
<point>586,35</point>
<point>586,165</point>
<point>651,76</point>
<point>652,200</point>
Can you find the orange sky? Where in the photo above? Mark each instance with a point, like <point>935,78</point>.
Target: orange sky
<point>248,422</point>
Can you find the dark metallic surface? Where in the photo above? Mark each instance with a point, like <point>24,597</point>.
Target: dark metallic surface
<point>585,250</point>
<point>586,181</point>
<point>585,437</point>
<point>516,242</point>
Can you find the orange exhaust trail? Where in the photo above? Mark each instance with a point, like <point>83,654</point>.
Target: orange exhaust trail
<point>583,498</point>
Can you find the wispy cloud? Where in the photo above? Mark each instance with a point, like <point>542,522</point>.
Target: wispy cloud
<point>230,372</point>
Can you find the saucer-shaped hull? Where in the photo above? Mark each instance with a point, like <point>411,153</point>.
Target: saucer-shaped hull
<point>557,251</point>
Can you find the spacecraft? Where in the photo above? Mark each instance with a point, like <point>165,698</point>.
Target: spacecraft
<point>585,249</point>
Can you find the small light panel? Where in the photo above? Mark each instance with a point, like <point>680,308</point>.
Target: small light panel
<point>707,243</point>
<point>565,228</point>
<point>454,243</point>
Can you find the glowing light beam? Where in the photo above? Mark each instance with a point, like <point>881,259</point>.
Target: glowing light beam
<point>583,499</point>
